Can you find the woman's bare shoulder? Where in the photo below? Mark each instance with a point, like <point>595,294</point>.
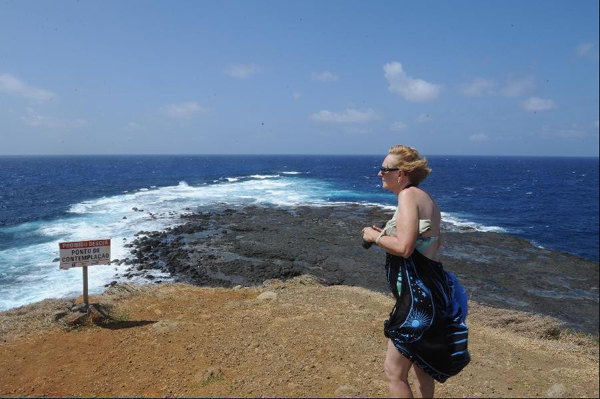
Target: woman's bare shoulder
<point>424,201</point>
<point>410,192</point>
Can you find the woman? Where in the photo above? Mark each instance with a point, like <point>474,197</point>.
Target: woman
<point>426,328</point>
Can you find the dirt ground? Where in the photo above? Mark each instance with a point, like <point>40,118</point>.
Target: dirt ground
<point>302,340</point>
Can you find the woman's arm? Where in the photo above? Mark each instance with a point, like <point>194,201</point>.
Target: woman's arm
<point>407,227</point>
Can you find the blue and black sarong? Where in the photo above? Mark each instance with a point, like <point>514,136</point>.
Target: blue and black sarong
<point>428,322</point>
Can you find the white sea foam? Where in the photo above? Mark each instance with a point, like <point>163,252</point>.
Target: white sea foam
<point>323,203</point>
<point>291,173</point>
<point>264,176</point>
<point>34,276</point>
<point>537,245</point>
<point>456,222</point>
<point>28,274</point>
<point>386,207</point>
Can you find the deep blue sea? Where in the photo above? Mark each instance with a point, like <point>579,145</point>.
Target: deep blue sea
<point>552,202</point>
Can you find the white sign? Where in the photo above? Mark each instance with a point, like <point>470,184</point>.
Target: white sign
<point>84,253</point>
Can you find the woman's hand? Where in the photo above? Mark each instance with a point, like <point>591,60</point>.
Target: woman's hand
<point>370,234</point>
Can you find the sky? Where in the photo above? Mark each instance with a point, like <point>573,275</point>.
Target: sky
<point>299,77</point>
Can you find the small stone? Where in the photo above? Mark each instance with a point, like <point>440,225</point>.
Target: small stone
<point>267,296</point>
<point>557,391</point>
<point>237,287</point>
<point>210,375</point>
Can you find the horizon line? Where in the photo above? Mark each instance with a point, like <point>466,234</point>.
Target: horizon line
<point>287,154</point>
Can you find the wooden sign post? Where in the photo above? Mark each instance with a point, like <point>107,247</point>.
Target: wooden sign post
<point>84,254</point>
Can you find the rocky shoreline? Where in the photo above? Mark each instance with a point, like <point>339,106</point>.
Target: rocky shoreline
<point>226,247</point>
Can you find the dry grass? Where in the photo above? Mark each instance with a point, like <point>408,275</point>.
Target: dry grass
<point>49,315</point>
<point>524,323</point>
<point>544,331</point>
<point>36,318</point>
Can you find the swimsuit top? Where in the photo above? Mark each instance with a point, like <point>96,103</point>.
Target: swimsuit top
<point>424,226</point>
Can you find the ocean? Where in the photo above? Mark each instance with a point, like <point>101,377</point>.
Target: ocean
<point>551,202</point>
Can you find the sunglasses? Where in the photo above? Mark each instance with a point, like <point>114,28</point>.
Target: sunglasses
<point>385,170</point>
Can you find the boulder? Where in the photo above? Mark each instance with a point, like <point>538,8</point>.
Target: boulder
<point>267,296</point>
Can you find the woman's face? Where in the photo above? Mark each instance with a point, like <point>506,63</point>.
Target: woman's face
<point>389,180</point>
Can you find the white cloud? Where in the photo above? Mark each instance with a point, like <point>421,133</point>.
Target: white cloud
<point>478,87</point>
<point>398,126</point>
<point>349,116</point>
<point>584,48</point>
<point>36,120</point>
<point>479,137</point>
<point>423,118</point>
<point>134,127</point>
<point>325,76</point>
<point>415,90</point>
<point>519,87</point>
<point>242,71</point>
<point>183,110</point>
<point>12,85</point>
<point>297,95</point>
<point>535,104</point>
<point>570,133</point>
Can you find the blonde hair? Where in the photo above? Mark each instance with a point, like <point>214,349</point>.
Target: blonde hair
<point>409,160</point>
